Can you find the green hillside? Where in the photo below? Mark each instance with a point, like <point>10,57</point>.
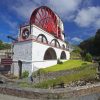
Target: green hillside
<point>84,71</point>
<point>71,64</point>
<point>87,73</point>
<point>92,45</point>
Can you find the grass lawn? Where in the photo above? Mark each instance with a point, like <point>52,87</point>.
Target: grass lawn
<point>84,74</point>
<point>66,65</point>
<point>85,71</point>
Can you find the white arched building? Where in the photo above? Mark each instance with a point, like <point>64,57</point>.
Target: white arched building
<point>41,42</point>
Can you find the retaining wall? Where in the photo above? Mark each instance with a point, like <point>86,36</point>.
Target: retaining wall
<point>65,93</point>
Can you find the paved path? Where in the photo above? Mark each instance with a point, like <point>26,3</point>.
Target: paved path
<point>8,97</point>
<point>88,97</point>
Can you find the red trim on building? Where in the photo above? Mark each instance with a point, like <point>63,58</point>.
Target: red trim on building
<point>35,40</point>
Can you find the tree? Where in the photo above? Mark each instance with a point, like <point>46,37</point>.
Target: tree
<point>1,42</point>
<point>88,57</point>
<point>92,45</point>
<point>1,45</point>
<point>88,45</point>
<point>76,53</point>
<point>97,42</point>
<point>4,45</point>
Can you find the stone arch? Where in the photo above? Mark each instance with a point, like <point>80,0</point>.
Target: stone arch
<point>56,43</point>
<point>50,54</point>
<point>63,55</point>
<point>42,38</point>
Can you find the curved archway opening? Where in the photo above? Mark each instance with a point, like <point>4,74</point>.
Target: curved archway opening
<point>42,38</point>
<point>63,55</point>
<point>55,43</point>
<point>50,54</point>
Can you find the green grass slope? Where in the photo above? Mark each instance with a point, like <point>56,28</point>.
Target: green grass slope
<point>85,71</point>
<point>71,64</point>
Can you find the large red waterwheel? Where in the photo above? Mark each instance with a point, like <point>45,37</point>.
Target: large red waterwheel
<point>46,19</point>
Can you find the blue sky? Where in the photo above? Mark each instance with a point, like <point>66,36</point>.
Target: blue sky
<point>81,17</point>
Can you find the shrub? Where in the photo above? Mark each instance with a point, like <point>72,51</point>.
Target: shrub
<point>40,71</point>
<point>84,63</point>
<point>34,74</point>
<point>59,62</point>
<point>88,57</point>
<point>25,74</point>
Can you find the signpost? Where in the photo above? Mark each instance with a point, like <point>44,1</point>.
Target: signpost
<point>6,61</point>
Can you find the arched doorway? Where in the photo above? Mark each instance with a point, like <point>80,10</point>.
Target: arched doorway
<point>63,55</point>
<point>20,68</point>
<point>50,54</point>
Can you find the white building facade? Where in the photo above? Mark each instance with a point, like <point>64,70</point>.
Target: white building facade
<point>40,44</point>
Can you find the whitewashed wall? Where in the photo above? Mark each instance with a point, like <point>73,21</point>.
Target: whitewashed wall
<point>38,51</point>
<point>38,57</point>
<point>25,67</point>
<point>36,31</point>
<point>22,51</point>
<point>31,52</point>
<point>43,64</point>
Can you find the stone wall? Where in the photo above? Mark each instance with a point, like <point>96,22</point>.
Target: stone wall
<point>66,93</point>
<point>53,75</point>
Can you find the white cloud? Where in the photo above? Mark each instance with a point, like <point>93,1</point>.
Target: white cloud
<point>87,3</point>
<point>65,8</point>
<point>76,40</point>
<point>97,23</point>
<point>8,21</point>
<point>12,24</point>
<point>24,8</point>
<point>88,17</point>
